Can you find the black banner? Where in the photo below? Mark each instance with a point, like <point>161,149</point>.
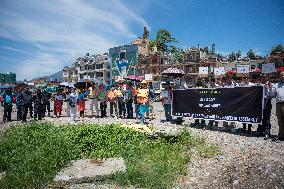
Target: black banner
<point>238,104</point>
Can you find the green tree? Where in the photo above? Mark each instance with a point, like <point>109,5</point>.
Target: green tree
<point>232,56</point>
<point>163,39</point>
<point>251,54</point>
<point>151,45</point>
<point>278,49</point>
<point>219,56</point>
<point>213,49</point>
<point>176,52</point>
<point>239,54</point>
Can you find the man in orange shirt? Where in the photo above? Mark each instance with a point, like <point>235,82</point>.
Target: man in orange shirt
<point>112,97</point>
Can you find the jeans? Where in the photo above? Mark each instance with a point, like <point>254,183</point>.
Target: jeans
<point>168,109</point>
<point>137,110</point>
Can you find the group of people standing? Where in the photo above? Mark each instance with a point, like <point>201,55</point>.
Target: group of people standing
<point>272,90</point>
<point>36,104</point>
<point>124,100</point>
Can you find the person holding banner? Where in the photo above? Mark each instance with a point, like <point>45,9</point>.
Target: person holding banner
<point>227,82</point>
<point>264,128</point>
<point>213,84</point>
<point>279,94</point>
<point>199,84</point>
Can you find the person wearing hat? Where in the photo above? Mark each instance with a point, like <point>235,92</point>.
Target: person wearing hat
<point>278,90</point>
<point>142,100</point>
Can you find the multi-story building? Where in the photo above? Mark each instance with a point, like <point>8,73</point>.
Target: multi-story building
<point>193,58</point>
<point>95,67</point>
<point>277,58</point>
<point>8,78</point>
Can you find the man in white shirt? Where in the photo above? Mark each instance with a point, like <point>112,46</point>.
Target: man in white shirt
<point>279,94</point>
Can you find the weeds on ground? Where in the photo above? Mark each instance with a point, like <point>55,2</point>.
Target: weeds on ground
<point>33,153</point>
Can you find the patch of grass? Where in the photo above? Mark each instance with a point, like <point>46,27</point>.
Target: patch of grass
<point>156,165</point>
<point>33,153</point>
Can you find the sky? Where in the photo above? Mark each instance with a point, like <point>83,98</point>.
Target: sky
<point>39,38</point>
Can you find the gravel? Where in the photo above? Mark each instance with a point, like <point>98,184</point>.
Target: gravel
<point>243,161</point>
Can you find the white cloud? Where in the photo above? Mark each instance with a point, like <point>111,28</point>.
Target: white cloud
<point>64,29</point>
<point>13,49</point>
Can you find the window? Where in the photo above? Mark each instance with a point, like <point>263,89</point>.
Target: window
<point>188,69</point>
<point>99,66</point>
<point>154,60</point>
<point>91,75</point>
<point>122,55</point>
<point>99,74</point>
<point>154,70</point>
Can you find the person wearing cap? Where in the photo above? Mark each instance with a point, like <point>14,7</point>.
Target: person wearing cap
<point>278,90</point>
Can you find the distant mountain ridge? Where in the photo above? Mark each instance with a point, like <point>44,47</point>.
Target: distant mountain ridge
<point>58,76</point>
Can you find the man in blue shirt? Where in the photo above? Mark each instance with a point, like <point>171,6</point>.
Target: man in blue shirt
<point>7,104</point>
